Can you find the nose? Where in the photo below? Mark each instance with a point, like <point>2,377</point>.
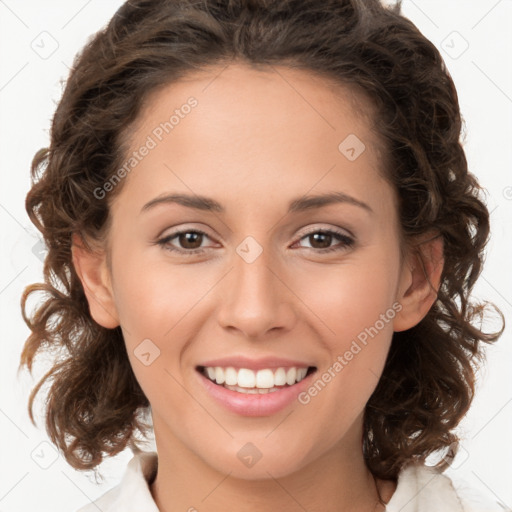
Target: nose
<point>255,298</point>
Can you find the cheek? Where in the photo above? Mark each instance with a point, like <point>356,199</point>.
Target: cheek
<point>152,297</point>
<point>351,297</point>
<point>161,306</point>
<point>353,307</point>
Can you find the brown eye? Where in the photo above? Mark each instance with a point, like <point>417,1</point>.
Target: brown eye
<point>321,240</point>
<point>189,241</point>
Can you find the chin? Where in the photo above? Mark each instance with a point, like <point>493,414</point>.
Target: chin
<point>260,459</point>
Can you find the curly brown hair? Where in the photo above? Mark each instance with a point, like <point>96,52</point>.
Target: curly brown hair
<point>95,405</point>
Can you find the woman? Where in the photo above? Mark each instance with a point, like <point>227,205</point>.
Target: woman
<point>197,147</point>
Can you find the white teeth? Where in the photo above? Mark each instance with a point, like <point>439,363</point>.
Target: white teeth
<point>262,381</point>
<point>265,379</point>
<point>211,372</point>
<point>252,391</point>
<point>231,376</point>
<point>246,378</point>
<point>291,375</point>
<point>219,375</point>
<point>280,377</point>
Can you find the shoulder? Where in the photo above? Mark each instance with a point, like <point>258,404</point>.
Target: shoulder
<point>422,488</point>
<point>476,501</point>
<point>133,492</point>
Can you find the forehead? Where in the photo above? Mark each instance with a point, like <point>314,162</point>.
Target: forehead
<point>271,126</point>
<point>241,91</point>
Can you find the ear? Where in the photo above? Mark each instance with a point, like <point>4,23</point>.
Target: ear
<point>419,282</point>
<point>92,270</point>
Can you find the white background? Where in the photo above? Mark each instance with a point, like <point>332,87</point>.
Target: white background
<point>29,89</point>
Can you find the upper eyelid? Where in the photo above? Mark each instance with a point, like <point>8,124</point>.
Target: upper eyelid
<point>336,230</point>
<point>178,231</point>
<point>313,229</point>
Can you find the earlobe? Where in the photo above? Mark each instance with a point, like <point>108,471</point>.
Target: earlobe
<point>91,268</point>
<point>420,281</point>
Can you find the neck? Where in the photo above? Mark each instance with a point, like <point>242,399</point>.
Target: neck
<point>337,480</point>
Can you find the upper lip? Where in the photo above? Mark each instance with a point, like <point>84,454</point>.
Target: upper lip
<point>255,363</point>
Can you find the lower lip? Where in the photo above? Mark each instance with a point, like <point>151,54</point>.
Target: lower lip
<point>247,404</point>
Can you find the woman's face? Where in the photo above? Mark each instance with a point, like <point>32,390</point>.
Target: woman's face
<point>262,288</point>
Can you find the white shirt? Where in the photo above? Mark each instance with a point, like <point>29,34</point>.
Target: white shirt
<point>419,489</point>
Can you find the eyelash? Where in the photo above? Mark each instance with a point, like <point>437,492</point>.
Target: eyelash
<point>347,241</point>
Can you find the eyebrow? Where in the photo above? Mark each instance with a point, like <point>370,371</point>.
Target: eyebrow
<point>296,205</point>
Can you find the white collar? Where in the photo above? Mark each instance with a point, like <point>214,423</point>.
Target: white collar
<point>419,488</point>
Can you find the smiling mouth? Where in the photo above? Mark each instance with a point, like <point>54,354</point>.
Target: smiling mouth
<point>245,380</point>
